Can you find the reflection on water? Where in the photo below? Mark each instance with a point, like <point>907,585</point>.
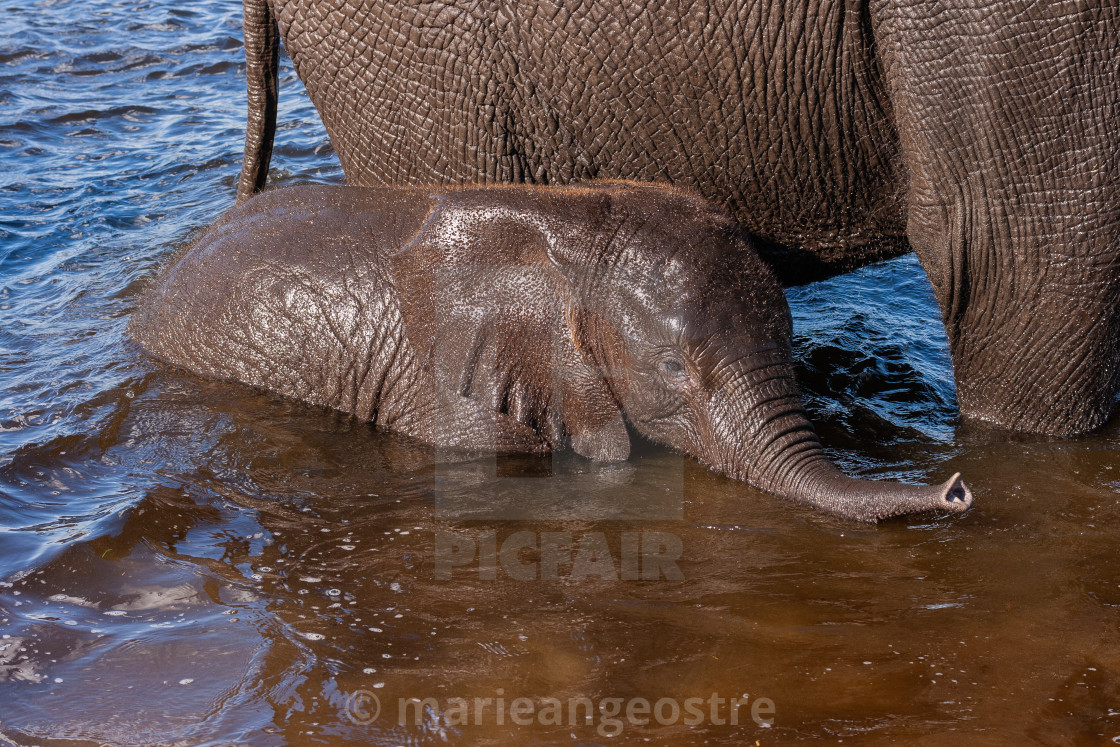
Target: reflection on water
<point>187,561</point>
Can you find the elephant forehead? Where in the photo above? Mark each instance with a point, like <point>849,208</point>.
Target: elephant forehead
<point>683,284</point>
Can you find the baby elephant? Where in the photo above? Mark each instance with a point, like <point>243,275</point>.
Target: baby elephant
<point>515,319</point>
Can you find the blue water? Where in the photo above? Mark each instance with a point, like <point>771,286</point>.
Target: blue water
<point>122,134</point>
<point>173,562</point>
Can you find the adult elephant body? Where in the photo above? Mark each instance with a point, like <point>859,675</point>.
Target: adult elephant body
<point>984,135</point>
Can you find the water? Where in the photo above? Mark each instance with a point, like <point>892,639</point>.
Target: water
<point>190,562</point>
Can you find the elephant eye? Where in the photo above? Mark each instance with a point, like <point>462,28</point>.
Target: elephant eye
<point>673,370</point>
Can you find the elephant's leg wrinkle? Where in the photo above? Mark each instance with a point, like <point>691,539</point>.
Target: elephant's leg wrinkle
<point>1011,207</point>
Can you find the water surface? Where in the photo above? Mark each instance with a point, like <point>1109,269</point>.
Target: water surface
<point>189,562</point>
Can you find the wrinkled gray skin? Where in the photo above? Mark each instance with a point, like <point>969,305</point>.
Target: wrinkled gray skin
<point>515,319</point>
<point>981,133</point>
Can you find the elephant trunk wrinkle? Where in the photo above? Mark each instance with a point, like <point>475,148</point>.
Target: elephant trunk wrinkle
<point>769,442</point>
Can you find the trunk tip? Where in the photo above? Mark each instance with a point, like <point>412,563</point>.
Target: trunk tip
<point>955,494</point>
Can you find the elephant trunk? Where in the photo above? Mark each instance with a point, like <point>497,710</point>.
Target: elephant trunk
<point>762,435</point>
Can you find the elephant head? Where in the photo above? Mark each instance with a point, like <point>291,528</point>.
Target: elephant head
<point>662,316</point>
<point>694,335</point>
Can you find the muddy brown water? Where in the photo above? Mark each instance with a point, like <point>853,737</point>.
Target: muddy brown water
<point>189,562</point>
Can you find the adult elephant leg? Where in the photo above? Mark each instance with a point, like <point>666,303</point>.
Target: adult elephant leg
<point>1007,114</point>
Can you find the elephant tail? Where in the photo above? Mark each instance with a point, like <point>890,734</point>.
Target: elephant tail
<point>262,51</point>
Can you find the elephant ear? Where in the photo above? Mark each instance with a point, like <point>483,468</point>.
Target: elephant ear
<point>581,249</point>
<point>464,264</point>
<point>592,414</point>
<point>500,262</point>
<point>600,348</point>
